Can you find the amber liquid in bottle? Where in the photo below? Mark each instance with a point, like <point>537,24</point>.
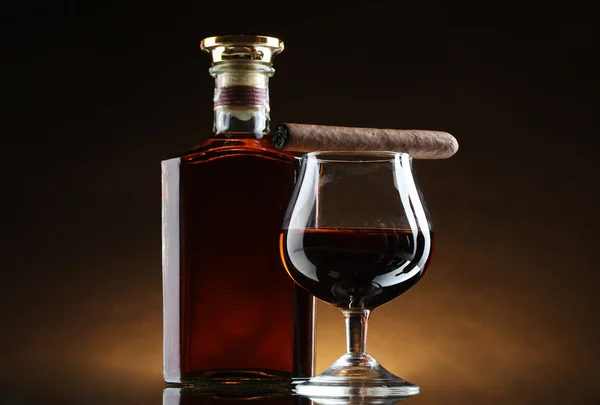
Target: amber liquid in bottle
<point>239,313</point>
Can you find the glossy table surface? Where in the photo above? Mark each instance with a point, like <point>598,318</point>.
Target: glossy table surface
<point>109,391</point>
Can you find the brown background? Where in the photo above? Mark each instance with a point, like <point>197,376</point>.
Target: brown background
<point>97,96</point>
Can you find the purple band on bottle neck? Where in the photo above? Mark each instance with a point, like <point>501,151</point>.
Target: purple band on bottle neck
<point>241,96</point>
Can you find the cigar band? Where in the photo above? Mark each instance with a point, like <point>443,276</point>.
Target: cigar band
<point>241,96</point>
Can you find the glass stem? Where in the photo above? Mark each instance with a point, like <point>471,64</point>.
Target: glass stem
<point>356,330</point>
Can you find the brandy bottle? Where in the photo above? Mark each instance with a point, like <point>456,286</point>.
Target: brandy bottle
<point>231,313</point>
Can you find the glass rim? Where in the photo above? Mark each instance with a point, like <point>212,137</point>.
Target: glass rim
<point>355,156</point>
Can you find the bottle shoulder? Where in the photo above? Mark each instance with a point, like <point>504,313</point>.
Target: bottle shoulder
<point>218,148</point>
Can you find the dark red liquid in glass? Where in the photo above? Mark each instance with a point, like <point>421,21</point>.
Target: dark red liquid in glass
<point>356,268</point>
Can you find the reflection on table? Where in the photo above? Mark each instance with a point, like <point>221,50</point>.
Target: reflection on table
<point>189,396</point>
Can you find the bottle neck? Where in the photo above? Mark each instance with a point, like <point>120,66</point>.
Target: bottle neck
<point>241,99</point>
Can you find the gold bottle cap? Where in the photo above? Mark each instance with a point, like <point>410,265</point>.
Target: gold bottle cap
<point>258,48</point>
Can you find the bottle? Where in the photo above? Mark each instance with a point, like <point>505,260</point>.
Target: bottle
<point>231,313</point>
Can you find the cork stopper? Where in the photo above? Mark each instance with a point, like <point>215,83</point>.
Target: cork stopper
<point>254,48</point>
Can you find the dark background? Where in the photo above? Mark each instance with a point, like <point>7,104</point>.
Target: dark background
<point>96,96</point>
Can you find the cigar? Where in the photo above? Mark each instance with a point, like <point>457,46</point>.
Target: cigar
<point>421,144</point>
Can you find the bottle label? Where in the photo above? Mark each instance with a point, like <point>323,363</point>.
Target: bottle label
<point>241,96</point>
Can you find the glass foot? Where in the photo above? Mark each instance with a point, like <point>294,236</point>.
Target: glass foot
<point>354,375</point>
<point>357,400</point>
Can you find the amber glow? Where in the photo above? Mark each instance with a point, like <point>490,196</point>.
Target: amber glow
<point>476,335</point>
<point>481,322</point>
<point>281,250</point>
